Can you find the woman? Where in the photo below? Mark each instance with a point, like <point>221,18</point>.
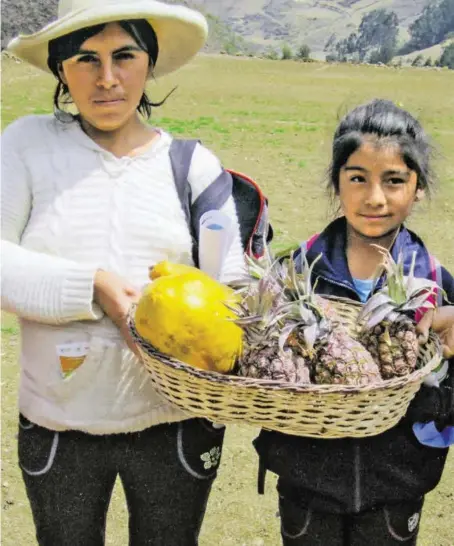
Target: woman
<point>89,203</point>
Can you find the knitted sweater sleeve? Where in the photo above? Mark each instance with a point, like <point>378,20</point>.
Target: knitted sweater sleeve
<point>205,168</point>
<point>35,286</point>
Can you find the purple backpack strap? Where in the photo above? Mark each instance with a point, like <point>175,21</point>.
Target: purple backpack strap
<point>306,245</point>
<point>304,248</point>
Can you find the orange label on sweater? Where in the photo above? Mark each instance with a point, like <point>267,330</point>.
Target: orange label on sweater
<point>71,356</point>
<point>70,363</point>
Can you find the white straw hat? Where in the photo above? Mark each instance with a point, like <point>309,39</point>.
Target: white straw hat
<point>181,32</point>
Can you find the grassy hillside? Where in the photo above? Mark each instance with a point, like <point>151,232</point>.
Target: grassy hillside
<point>433,53</point>
<point>273,121</point>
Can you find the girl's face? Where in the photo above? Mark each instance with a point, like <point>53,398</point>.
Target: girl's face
<point>106,78</point>
<point>377,190</point>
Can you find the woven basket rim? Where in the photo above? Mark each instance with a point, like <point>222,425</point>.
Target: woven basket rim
<point>149,352</point>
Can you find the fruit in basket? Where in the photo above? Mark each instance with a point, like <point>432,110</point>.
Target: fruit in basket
<point>261,315</point>
<point>340,359</point>
<point>186,317</point>
<point>389,331</point>
<point>293,334</point>
<point>316,333</point>
<point>166,268</point>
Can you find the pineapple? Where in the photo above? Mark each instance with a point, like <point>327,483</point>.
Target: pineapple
<point>336,358</point>
<point>394,345</point>
<point>389,329</point>
<point>343,360</point>
<point>261,315</point>
<point>291,334</point>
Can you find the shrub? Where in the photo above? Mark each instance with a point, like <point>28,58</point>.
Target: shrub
<point>287,52</point>
<point>418,60</point>
<point>303,53</point>
<point>271,54</point>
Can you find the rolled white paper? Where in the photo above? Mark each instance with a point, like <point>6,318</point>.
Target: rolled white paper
<point>215,238</point>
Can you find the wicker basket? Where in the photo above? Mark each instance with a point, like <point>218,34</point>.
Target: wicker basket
<point>320,411</point>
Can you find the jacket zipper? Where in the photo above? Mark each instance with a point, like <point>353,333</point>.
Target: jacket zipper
<point>336,283</point>
<point>356,447</point>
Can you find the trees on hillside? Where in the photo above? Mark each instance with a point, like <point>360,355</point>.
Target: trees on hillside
<point>447,57</point>
<point>432,27</point>
<point>375,41</point>
<point>378,32</point>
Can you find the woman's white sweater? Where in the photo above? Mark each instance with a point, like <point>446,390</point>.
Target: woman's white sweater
<point>69,207</point>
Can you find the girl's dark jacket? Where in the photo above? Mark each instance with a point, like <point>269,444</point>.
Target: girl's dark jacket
<point>351,475</point>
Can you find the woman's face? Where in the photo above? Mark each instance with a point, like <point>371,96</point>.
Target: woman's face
<point>106,78</point>
<point>377,190</point>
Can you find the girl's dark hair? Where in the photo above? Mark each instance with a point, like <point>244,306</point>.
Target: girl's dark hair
<point>384,121</point>
<point>67,46</point>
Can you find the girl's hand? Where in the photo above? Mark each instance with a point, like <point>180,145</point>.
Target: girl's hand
<point>115,296</point>
<point>441,320</point>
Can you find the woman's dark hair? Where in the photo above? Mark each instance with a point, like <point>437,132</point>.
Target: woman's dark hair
<point>383,121</point>
<point>67,46</point>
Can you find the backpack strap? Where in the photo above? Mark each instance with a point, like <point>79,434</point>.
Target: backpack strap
<point>304,247</point>
<point>307,244</point>
<point>180,153</point>
<point>252,211</point>
<point>250,203</point>
<point>212,198</point>
<point>435,268</point>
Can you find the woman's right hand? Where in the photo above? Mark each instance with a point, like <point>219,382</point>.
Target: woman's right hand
<point>115,296</point>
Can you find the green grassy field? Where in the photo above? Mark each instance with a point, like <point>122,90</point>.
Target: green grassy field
<point>273,121</point>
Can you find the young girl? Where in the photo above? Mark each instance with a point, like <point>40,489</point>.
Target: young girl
<point>89,203</point>
<point>366,491</point>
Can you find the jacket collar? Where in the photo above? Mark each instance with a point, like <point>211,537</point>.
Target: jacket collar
<point>333,265</point>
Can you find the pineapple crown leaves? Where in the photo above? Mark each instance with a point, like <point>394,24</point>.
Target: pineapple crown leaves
<point>277,295</point>
<point>300,284</point>
<point>400,295</point>
<point>303,312</point>
<point>256,269</point>
<point>311,326</point>
<point>262,304</point>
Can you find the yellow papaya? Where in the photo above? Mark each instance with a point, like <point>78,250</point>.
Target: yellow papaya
<point>185,316</point>
<point>167,269</point>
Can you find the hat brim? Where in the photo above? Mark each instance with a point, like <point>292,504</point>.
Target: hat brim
<point>181,32</point>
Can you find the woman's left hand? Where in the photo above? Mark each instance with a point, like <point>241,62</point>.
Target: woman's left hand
<point>441,320</point>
